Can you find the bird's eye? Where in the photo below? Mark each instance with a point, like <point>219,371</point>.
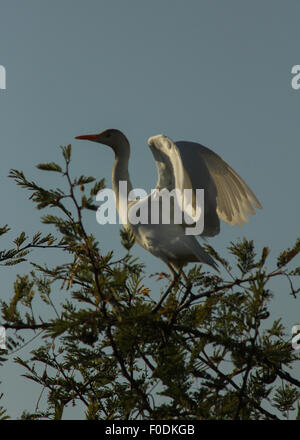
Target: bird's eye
<point>108,134</point>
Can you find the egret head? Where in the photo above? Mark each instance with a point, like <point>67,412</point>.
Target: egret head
<point>111,137</point>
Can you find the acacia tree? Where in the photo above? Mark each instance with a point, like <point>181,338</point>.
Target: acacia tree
<point>202,350</point>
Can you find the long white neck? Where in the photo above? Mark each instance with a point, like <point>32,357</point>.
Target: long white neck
<point>120,179</point>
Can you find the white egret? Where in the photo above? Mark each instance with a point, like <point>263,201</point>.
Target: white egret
<point>181,165</point>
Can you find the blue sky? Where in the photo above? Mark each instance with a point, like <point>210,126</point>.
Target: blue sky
<point>202,70</point>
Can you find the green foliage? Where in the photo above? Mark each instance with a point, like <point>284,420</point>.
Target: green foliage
<point>3,414</point>
<point>127,238</point>
<point>285,398</point>
<point>52,166</point>
<point>202,346</point>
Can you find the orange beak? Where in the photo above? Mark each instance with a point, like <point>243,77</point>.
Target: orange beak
<point>88,137</point>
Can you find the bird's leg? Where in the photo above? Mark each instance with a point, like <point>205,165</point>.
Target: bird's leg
<point>171,285</point>
<point>176,277</point>
<point>185,277</point>
<point>187,286</point>
<point>181,272</point>
<point>173,271</point>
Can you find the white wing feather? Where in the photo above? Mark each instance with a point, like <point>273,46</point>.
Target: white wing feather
<point>234,197</point>
<point>185,165</point>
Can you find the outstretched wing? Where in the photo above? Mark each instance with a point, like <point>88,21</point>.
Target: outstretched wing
<point>235,199</point>
<point>191,165</point>
<point>173,174</point>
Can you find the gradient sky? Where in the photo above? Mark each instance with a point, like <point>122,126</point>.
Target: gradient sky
<point>202,70</point>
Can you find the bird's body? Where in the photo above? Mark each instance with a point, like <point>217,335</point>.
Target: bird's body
<point>181,165</point>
